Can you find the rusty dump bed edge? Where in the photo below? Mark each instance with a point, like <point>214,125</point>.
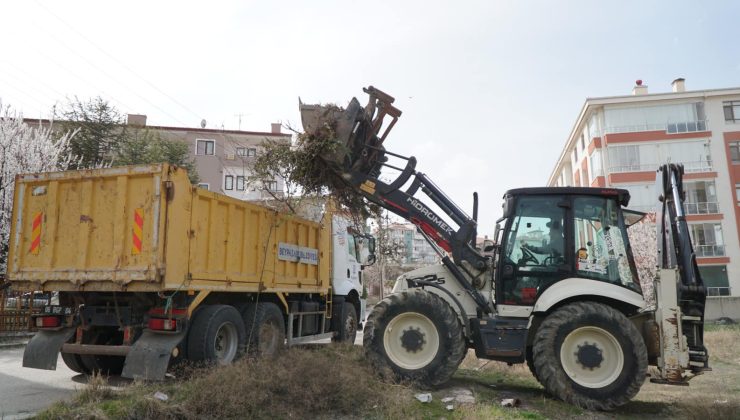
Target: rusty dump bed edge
<point>145,228</point>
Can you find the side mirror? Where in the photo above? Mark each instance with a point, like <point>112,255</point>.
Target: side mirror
<point>371,245</point>
<point>370,260</point>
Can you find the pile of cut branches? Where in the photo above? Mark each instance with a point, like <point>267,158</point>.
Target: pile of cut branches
<point>309,169</point>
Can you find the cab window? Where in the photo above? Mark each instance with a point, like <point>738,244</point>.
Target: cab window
<point>352,246</point>
<point>601,242</point>
<point>534,250</point>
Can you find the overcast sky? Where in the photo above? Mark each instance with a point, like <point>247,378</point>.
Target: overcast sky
<point>490,90</point>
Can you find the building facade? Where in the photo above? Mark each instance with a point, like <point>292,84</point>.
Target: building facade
<point>620,142</point>
<point>412,247</point>
<point>223,158</point>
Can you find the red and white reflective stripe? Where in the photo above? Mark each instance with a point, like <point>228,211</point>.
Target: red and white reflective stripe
<point>138,231</point>
<point>36,233</point>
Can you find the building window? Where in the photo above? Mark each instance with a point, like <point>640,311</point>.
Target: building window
<point>715,280</point>
<point>204,147</point>
<point>229,182</point>
<point>735,151</point>
<point>204,185</point>
<point>701,197</point>
<point>240,183</point>
<point>707,239</point>
<point>732,111</point>
<point>270,185</point>
<point>246,151</point>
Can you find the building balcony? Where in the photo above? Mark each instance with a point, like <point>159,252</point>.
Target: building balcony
<point>709,250</point>
<point>689,167</point>
<point>701,208</point>
<point>669,128</point>
<point>718,291</point>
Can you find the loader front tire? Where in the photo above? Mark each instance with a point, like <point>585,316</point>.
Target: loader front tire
<point>415,335</point>
<point>590,355</point>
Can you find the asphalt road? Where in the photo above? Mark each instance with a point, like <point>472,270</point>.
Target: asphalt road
<point>24,391</point>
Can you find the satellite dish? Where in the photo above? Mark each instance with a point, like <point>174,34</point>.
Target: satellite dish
<point>203,123</point>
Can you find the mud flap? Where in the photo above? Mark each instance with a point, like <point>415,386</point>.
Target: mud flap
<point>150,355</point>
<point>42,351</point>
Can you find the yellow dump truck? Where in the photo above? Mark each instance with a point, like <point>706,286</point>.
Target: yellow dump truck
<point>151,271</point>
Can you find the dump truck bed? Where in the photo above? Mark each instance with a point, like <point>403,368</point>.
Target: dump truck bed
<point>145,228</point>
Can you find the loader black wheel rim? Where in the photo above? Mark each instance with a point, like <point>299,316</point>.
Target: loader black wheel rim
<point>226,344</point>
<point>411,340</point>
<point>591,357</point>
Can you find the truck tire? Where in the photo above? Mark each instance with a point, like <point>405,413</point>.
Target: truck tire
<point>590,355</point>
<point>265,327</point>
<point>216,335</point>
<point>105,365</point>
<point>74,363</point>
<point>416,335</point>
<point>346,328</point>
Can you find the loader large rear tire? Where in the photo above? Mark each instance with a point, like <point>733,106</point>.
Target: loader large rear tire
<point>590,355</point>
<point>415,335</point>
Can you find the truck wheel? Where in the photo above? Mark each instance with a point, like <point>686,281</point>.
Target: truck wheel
<point>347,326</point>
<point>590,355</point>
<point>106,365</point>
<point>265,326</point>
<point>74,362</point>
<point>416,335</point>
<point>217,334</point>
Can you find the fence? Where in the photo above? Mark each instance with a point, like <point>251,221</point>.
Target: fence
<point>16,309</point>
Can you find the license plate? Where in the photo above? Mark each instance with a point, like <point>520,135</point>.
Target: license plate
<point>58,310</point>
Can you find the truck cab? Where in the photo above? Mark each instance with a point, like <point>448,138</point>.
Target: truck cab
<point>352,251</point>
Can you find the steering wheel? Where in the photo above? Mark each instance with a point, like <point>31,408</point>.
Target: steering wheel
<point>527,255</point>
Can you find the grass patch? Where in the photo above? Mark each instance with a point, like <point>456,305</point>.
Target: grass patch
<point>721,342</point>
<point>326,381</point>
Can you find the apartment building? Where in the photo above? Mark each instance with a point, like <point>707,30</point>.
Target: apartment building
<point>223,158</point>
<point>411,245</point>
<point>620,141</point>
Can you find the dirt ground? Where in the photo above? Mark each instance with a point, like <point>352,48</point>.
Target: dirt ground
<point>337,382</point>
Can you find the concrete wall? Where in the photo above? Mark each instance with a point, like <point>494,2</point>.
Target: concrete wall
<point>722,307</point>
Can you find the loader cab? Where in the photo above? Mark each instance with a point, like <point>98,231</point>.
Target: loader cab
<point>552,234</point>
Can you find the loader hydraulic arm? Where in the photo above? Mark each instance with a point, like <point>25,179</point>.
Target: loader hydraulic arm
<point>358,132</point>
<point>676,252</point>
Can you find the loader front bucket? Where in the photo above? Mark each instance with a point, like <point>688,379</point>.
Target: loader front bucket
<point>339,121</point>
<point>356,130</point>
